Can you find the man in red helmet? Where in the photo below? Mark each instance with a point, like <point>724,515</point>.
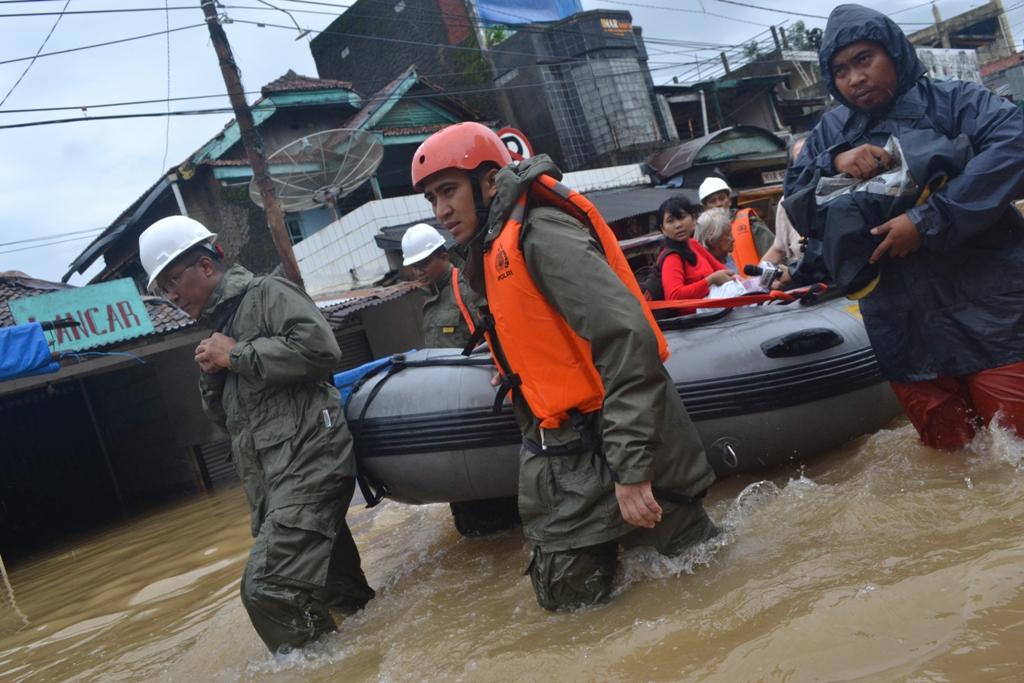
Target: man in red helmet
<point>609,456</point>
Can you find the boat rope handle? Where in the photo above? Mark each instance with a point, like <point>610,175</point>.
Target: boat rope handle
<point>745,300</point>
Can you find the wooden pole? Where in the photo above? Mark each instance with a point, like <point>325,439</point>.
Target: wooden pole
<point>253,144</point>
<point>103,446</point>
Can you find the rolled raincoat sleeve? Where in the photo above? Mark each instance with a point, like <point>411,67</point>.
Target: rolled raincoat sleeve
<point>573,275</point>
<point>815,160</point>
<point>299,345</point>
<point>974,200</point>
<point>211,390</point>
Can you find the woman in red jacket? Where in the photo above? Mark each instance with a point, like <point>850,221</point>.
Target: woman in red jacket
<point>687,269</point>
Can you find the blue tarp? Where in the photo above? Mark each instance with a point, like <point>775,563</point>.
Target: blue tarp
<point>347,379</point>
<point>24,351</point>
<point>525,11</point>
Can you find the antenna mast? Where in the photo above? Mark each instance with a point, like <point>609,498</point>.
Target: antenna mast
<point>253,143</point>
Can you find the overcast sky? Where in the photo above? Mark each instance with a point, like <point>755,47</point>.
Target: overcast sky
<point>56,179</point>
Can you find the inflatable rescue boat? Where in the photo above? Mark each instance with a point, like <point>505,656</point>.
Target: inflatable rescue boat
<point>764,385</point>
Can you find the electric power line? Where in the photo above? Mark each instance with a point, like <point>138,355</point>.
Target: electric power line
<point>52,236</point>
<point>51,244</point>
<point>219,110</point>
<point>128,103</point>
<point>167,128</point>
<point>258,106</point>
<point>119,10</point>
<point>477,24</point>
<point>33,61</point>
<point>103,44</point>
<point>772,9</point>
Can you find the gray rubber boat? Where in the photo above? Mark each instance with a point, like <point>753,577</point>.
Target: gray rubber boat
<point>764,385</point>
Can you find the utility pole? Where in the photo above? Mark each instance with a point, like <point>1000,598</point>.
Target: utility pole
<point>943,36</point>
<point>252,142</point>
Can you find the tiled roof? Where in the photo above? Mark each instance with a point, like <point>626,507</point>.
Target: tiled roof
<point>225,162</point>
<point>425,129</point>
<point>340,309</point>
<point>166,316</point>
<point>16,285</point>
<point>291,82</point>
<point>413,130</point>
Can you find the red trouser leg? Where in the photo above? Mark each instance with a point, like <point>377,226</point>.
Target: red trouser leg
<point>940,409</point>
<point>1000,390</point>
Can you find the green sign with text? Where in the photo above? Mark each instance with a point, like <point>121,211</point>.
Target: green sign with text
<point>106,313</point>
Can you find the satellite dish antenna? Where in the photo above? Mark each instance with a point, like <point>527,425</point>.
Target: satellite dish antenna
<point>321,168</point>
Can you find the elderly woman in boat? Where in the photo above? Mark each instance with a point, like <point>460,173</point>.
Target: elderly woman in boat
<point>714,232</point>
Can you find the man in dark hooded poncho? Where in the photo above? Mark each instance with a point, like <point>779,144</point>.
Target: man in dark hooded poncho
<point>946,317</point>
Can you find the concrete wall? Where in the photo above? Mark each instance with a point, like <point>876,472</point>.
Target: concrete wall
<point>329,258</point>
<point>343,255</point>
<point>241,226</point>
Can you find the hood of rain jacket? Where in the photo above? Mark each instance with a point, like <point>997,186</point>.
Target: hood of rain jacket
<point>956,306</point>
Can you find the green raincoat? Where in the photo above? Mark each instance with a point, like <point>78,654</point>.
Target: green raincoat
<point>293,452</point>
<point>568,502</point>
<point>443,325</point>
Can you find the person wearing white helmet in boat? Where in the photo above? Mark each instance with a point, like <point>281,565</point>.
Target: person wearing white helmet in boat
<point>424,251</point>
<point>751,237</point>
<point>447,294</point>
<point>264,377</point>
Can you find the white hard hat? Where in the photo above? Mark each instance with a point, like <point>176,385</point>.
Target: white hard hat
<point>419,242</point>
<point>167,239</point>
<point>711,185</point>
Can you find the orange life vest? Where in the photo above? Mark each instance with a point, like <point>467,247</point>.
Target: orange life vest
<point>457,292</point>
<point>744,250</point>
<point>533,346</point>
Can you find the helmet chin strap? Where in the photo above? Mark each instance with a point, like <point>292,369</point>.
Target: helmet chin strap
<point>482,211</point>
<point>472,251</point>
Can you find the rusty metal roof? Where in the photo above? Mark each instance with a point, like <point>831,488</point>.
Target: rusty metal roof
<point>682,157</point>
<point>166,316</point>
<point>292,82</point>
<point>339,309</point>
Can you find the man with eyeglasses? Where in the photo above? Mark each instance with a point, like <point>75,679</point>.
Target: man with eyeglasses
<point>444,286</point>
<point>265,377</point>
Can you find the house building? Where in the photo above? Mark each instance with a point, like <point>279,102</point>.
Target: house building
<point>104,436</point>
<point>119,428</point>
<point>1006,76</point>
<point>698,109</point>
<point>212,185</point>
<point>984,29</point>
<point>745,156</point>
<point>580,90</point>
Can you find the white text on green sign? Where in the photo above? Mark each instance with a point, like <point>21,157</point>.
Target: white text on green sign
<point>106,313</point>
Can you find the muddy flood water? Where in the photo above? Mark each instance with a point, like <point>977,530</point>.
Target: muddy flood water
<point>884,561</point>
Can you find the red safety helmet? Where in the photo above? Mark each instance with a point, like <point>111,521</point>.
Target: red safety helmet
<point>464,146</point>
